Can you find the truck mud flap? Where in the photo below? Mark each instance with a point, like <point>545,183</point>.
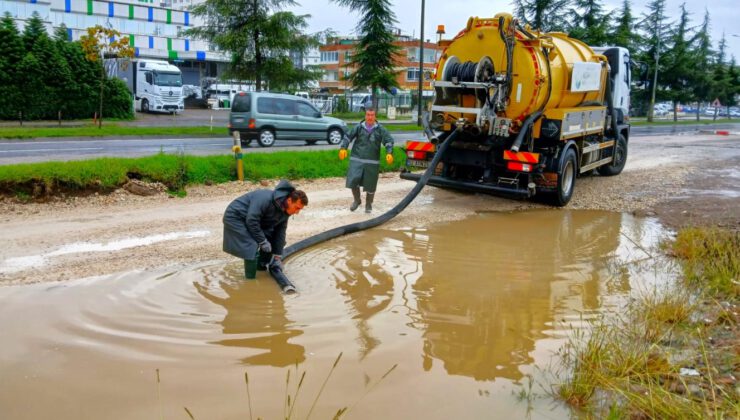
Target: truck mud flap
<point>439,181</point>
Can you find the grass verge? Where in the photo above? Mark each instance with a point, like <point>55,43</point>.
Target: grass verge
<point>40,180</point>
<point>671,354</point>
<point>107,130</point>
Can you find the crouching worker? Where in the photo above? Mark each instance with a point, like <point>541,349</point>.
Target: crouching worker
<point>255,225</point>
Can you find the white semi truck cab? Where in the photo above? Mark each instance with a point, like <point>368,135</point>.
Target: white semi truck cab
<point>158,87</point>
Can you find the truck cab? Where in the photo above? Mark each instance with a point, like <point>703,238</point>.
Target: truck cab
<point>620,78</point>
<point>158,87</point>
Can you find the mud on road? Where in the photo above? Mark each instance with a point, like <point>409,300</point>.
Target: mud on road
<point>682,180</point>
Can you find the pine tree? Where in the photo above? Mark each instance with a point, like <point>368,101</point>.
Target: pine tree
<point>375,54</point>
<point>11,54</point>
<point>721,84</point>
<point>655,26</point>
<point>679,63</point>
<point>259,36</point>
<point>33,31</point>
<point>702,51</point>
<point>624,34</point>
<point>543,15</point>
<point>589,23</point>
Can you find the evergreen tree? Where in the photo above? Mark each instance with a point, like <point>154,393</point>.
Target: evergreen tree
<point>655,27</point>
<point>11,54</point>
<point>702,51</point>
<point>679,63</point>
<point>624,34</point>
<point>34,93</point>
<point>33,31</point>
<point>733,74</point>
<point>543,15</point>
<point>259,36</point>
<point>375,55</point>
<point>721,84</point>
<point>56,79</point>
<point>589,22</point>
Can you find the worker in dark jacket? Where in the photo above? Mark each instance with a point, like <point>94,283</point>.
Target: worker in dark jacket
<point>364,166</point>
<point>255,225</point>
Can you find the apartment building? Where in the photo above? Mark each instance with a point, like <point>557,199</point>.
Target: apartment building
<point>336,55</point>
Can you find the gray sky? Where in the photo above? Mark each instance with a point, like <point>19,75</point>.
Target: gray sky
<point>724,15</point>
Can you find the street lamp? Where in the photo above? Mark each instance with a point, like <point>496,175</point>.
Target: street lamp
<point>421,65</point>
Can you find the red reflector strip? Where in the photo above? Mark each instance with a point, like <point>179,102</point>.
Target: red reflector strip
<point>252,123</point>
<point>526,157</point>
<point>416,155</point>
<point>520,167</point>
<point>421,146</point>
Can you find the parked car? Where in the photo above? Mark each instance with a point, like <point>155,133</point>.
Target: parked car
<point>267,117</point>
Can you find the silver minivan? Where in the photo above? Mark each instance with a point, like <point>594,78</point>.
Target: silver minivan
<point>267,117</point>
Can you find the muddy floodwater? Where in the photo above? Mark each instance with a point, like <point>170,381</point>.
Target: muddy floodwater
<point>470,313</point>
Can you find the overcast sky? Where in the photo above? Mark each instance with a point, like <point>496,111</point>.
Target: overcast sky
<point>724,15</point>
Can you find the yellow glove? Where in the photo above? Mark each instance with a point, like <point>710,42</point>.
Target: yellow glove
<point>389,159</point>
<point>342,154</point>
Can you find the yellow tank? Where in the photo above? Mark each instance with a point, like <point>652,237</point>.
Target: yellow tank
<point>576,73</point>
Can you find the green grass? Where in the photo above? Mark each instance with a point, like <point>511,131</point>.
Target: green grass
<point>107,130</point>
<point>710,258</point>
<point>628,365</point>
<point>175,171</point>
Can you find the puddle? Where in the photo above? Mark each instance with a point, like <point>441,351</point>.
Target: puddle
<point>465,310</point>
<point>15,264</point>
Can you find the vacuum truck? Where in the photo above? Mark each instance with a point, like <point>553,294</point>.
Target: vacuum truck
<point>532,111</point>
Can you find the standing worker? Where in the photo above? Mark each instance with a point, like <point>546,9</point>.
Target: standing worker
<point>255,225</point>
<point>363,162</point>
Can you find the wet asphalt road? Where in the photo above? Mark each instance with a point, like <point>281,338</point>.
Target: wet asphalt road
<point>62,149</point>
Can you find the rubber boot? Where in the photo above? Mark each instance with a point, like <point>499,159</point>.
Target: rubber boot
<point>369,202</point>
<point>358,200</point>
<point>250,269</point>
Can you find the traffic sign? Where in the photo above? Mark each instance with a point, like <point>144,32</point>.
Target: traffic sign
<point>716,103</point>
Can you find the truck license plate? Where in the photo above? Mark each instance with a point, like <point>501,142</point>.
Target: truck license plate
<point>417,163</point>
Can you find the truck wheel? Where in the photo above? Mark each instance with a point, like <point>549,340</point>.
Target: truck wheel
<point>620,159</point>
<point>266,138</point>
<point>144,105</point>
<point>566,178</point>
<point>334,136</point>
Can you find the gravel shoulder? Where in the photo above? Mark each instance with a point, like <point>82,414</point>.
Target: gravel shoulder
<point>663,178</point>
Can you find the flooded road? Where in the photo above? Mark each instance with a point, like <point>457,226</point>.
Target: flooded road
<point>467,311</point>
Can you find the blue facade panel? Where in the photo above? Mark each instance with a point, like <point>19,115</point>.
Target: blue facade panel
<point>151,42</point>
<point>187,45</point>
<point>200,55</point>
<point>151,14</point>
<point>110,9</point>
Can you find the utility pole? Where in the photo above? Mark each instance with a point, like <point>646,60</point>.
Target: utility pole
<point>421,65</point>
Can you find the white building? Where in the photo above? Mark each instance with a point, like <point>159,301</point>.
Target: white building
<point>154,28</point>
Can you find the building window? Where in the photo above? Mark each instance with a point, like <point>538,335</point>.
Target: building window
<point>412,74</point>
<point>347,55</point>
<point>329,56</point>
<point>330,76</point>
<point>412,54</point>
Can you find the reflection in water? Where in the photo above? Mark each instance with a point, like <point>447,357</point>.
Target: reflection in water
<point>360,275</point>
<point>255,311</point>
<point>485,302</point>
<point>484,291</point>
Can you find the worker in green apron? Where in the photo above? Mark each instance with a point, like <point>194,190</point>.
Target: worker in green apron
<point>364,163</point>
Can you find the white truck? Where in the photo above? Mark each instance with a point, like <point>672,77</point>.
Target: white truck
<point>156,85</point>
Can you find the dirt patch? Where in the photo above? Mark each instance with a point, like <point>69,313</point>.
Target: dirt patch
<point>709,197</point>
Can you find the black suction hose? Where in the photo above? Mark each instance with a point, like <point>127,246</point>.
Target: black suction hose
<point>366,224</point>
